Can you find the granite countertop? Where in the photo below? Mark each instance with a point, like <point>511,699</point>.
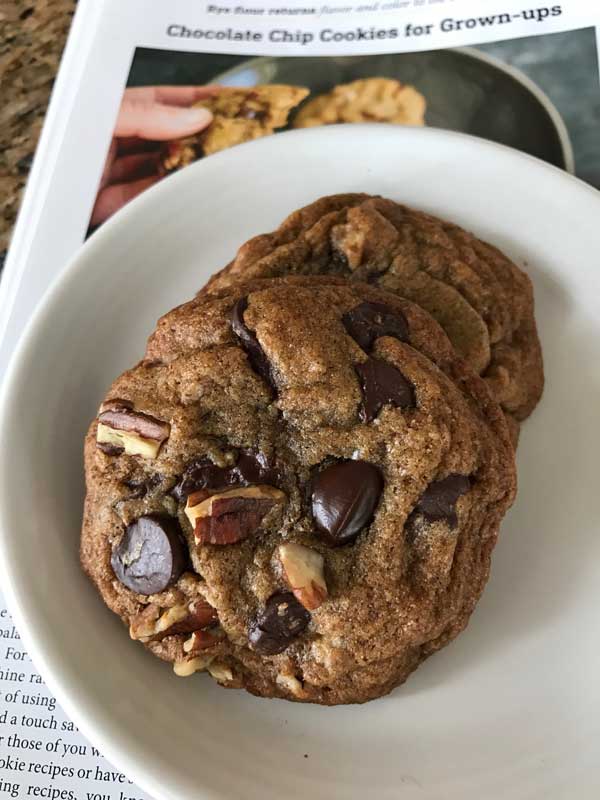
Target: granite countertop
<point>32,37</point>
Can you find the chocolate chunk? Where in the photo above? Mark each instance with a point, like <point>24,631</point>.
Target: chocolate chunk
<point>344,498</point>
<point>280,622</point>
<point>250,343</point>
<point>251,467</point>
<point>151,554</point>
<point>254,467</point>
<point>368,321</point>
<point>199,474</point>
<point>438,501</point>
<point>383,384</point>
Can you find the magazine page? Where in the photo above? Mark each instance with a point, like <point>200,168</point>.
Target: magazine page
<point>42,753</point>
<point>187,45</point>
<point>169,87</point>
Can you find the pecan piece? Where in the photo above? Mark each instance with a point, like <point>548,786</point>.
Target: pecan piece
<point>120,428</point>
<point>181,618</point>
<point>304,571</point>
<point>203,640</point>
<point>187,667</point>
<point>230,516</point>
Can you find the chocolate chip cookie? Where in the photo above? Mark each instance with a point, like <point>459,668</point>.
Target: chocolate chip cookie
<point>239,115</point>
<point>365,100</point>
<point>297,490</point>
<point>483,300</point>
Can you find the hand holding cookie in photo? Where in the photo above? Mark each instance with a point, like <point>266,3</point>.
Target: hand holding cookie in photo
<point>148,116</point>
<point>239,114</point>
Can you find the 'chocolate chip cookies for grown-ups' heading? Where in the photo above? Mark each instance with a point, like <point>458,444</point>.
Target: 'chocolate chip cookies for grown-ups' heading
<point>299,487</point>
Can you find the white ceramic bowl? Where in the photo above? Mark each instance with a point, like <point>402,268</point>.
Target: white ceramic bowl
<point>512,708</point>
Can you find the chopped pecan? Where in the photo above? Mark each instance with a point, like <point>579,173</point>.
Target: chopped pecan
<point>188,666</point>
<point>304,571</point>
<point>182,618</point>
<point>120,428</point>
<point>203,640</point>
<point>230,516</point>
<point>220,672</point>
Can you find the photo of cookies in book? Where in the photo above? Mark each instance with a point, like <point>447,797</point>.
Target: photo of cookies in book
<point>238,115</point>
<point>178,108</point>
<point>366,100</point>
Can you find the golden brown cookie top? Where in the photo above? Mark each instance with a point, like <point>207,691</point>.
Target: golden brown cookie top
<point>298,488</point>
<point>481,298</point>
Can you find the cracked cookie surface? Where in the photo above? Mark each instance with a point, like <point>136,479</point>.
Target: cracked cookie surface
<point>298,489</point>
<point>483,300</point>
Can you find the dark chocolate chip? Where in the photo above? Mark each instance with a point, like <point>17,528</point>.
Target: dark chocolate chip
<point>438,501</point>
<point>151,554</point>
<point>279,623</point>
<point>250,343</point>
<point>250,468</point>
<point>382,384</point>
<point>368,321</point>
<point>344,498</point>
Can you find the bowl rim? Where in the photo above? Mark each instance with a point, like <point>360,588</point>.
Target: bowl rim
<point>97,730</point>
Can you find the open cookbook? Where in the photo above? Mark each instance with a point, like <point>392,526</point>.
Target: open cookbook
<point>145,91</point>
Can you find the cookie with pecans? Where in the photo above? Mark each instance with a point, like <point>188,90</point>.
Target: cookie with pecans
<point>364,100</point>
<point>297,490</point>
<point>483,300</point>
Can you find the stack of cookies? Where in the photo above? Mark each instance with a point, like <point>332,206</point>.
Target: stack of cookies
<point>299,487</point>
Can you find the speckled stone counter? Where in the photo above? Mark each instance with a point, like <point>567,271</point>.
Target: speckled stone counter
<point>32,37</point>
